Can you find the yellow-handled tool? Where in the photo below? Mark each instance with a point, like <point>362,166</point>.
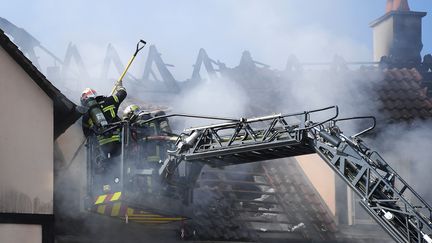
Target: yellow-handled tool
<point>119,81</point>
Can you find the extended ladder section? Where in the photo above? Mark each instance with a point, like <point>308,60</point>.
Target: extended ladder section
<point>246,140</point>
<point>384,194</point>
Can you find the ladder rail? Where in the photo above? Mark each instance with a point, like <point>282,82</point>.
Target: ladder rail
<point>374,182</point>
<point>242,132</point>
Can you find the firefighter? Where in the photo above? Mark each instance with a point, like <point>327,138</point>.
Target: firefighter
<point>150,137</point>
<point>141,131</point>
<point>102,112</point>
<point>138,117</point>
<point>144,152</point>
<point>164,126</point>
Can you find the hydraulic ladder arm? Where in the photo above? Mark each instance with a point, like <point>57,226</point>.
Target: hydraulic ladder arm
<point>389,200</point>
<point>384,194</point>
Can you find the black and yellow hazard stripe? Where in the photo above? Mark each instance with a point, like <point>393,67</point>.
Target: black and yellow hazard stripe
<point>113,209</point>
<point>140,216</point>
<point>111,205</point>
<point>107,198</point>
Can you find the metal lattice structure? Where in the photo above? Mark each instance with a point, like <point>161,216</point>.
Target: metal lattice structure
<point>385,195</point>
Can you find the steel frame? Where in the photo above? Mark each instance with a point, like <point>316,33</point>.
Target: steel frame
<point>385,195</point>
<point>246,140</point>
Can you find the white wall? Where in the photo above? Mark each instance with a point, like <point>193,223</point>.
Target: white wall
<point>26,142</point>
<point>383,36</point>
<point>20,233</point>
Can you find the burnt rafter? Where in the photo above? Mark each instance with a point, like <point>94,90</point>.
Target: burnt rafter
<point>154,57</point>
<point>293,64</point>
<point>203,60</point>
<point>247,62</point>
<point>72,54</point>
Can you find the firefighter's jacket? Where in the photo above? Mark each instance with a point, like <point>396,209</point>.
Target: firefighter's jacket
<point>151,143</point>
<point>109,106</point>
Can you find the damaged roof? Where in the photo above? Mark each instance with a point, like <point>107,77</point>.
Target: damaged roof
<point>393,95</point>
<point>65,113</point>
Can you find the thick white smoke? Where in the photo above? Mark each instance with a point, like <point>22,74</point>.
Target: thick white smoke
<point>218,97</point>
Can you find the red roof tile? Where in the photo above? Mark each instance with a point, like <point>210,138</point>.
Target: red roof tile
<point>401,95</point>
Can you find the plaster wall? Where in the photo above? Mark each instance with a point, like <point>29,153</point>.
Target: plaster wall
<point>383,36</point>
<point>321,176</point>
<point>20,233</point>
<point>71,170</point>
<point>26,142</point>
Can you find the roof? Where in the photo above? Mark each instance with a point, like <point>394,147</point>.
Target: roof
<point>393,95</point>
<point>65,113</point>
<point>266,201</point>
<point>396,94</point>
<point>403,97</point>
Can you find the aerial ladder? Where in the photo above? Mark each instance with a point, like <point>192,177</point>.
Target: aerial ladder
<point>389,199</point>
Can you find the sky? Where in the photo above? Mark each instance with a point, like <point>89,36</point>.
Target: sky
<point>270,29</point>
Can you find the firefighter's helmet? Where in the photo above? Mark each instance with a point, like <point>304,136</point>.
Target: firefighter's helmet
<point>129,111</point>
<point>86,94</point>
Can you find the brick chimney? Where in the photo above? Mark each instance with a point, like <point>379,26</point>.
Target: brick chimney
<point>397,5</point>
<point>397,34</point>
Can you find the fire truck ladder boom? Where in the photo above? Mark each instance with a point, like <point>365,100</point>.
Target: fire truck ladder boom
<point>390,201</point>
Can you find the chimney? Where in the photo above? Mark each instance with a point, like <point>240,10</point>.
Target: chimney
<point>397,34</point>
<point>397,5</point>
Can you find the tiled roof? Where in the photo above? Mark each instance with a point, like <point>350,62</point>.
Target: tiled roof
<point>392,95</point>
<point>402,96</point>
<point>275,198</point>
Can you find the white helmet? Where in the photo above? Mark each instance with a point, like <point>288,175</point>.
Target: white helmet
<point>130,110</point>
<point>86,94</point>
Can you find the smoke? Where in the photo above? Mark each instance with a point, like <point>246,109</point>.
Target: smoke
<point>227,96</point>
<point>406,147</point>
<point>219,97</point>
<point>271,32</point>
<point>71,201</point>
